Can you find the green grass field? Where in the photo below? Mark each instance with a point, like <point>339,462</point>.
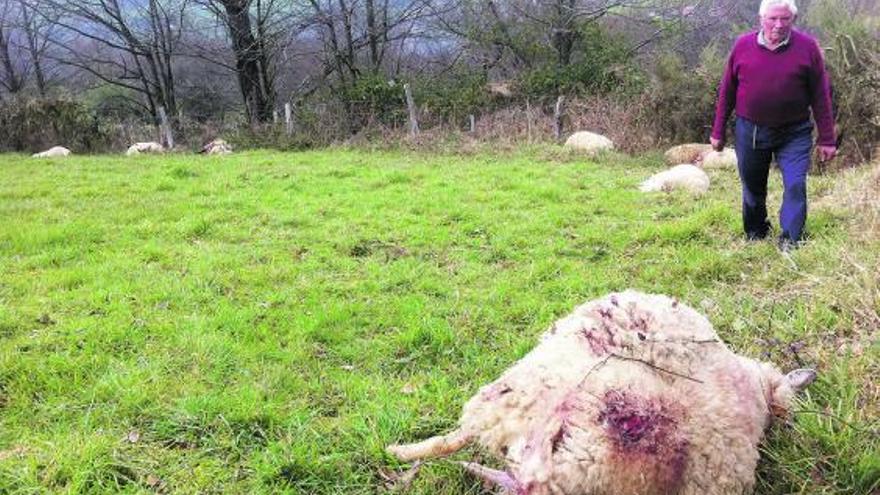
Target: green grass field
<point>268,322</point>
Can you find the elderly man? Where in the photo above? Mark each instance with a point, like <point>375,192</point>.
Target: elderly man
<point>773,78</point>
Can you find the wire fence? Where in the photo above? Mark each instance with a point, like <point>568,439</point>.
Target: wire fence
<point>33,126</point>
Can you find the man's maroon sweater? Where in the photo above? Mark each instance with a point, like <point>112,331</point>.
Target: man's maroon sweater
<point>775,88</point>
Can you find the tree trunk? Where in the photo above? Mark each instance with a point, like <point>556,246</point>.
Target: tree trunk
<point>250,63</point>
<point>267,77</point>
<point>31,33</point>
<point>160,63</point>
<point>563,33</point>
<point>350,62</point>
<point>372,35</point>
<point>12,81</point>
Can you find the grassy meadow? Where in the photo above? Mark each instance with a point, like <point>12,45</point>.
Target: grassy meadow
<point>268,322</point>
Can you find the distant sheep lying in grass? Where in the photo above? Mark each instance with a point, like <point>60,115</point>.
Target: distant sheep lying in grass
<point>685,176</point>
<point>686,153</point>
<point>52,152</point>
<point>589,142</point>
<point>217,147</point>
<point>631,394</point>
<point>718,159</point>
<point>701,155</point>
<point>150,147</point>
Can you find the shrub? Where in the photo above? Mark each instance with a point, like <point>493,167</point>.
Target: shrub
<point>680,101</point>
<point>852,55</point>
<point>452,98</point>
<point>37,124</point>
<point>114,104</point>
<point>602,64</point>
<point>373,98</point>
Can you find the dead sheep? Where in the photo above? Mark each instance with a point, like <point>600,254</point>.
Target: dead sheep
<point>589,142</point>
<point>217,147</point>
<point>149,147</point>
<point>631,394</point>
<point>685,177</point>
<point>686,153</point>
<point>52,152</point>
<point>718,159</point>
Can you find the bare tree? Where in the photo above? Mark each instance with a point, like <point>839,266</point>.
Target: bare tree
<point>11,74</point>
<point>518,35</point>
<point>363,38</point>
<point>37,31</point>
<point>254,27</point>
<point>358,36</point>
<point>139,39</point>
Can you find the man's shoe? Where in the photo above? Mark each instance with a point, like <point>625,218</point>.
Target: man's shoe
<point>787,245</point>
<point>761,233</point>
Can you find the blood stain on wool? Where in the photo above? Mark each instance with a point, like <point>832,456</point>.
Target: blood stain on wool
<point>644,435</point>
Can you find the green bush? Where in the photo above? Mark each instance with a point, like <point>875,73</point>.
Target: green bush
<point>680,101</point>
<point>454,96</point>
<point>374,98</point>
<point>36,124</point>
<point>115,104</point>
<point>852,55</point>
<point>600,64</point>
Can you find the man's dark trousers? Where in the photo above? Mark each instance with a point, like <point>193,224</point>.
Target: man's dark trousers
<point>756,146</point>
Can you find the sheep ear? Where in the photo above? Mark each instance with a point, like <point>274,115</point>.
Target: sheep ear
<point>800,378</point>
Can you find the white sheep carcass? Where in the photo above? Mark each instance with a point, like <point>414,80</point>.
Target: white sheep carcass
<point>686,153</point>
<point>589,142</point>
<point>54,151</point>
<point>217,147</point>
<point>631,394</point>
<point>718,159</point>
<point>149,147</point>
<point>685,176</point>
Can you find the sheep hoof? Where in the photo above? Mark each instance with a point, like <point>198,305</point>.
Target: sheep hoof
<point>401,452</point>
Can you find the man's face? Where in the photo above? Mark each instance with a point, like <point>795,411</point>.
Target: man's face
<point>776,23</point>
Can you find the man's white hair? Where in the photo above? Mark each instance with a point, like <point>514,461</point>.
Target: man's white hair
<point>766,4</point>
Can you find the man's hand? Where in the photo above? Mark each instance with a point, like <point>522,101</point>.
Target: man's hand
<point>826,152</point>
<point>717,144</point>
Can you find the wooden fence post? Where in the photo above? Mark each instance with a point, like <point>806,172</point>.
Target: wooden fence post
<point>165,128</point>
<point>529,120</point>
<point>557,117</point>
<point>288,119</point>
<point>473,124</point>
<point>413,120</point>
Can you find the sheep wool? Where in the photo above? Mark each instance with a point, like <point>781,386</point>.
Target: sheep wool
<point>55,151</point>
<point>631,394</point>
<point>686,153</point>
<point>589,142</point>
<point>217,147</point>
<point>685,176</point>
<point>719,159</point>
<point>149,147</point>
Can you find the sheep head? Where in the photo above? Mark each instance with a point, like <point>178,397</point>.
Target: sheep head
<point>783,389</point>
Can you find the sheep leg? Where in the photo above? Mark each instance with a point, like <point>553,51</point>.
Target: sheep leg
<point>439,446</point>
<point>501,478</point>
